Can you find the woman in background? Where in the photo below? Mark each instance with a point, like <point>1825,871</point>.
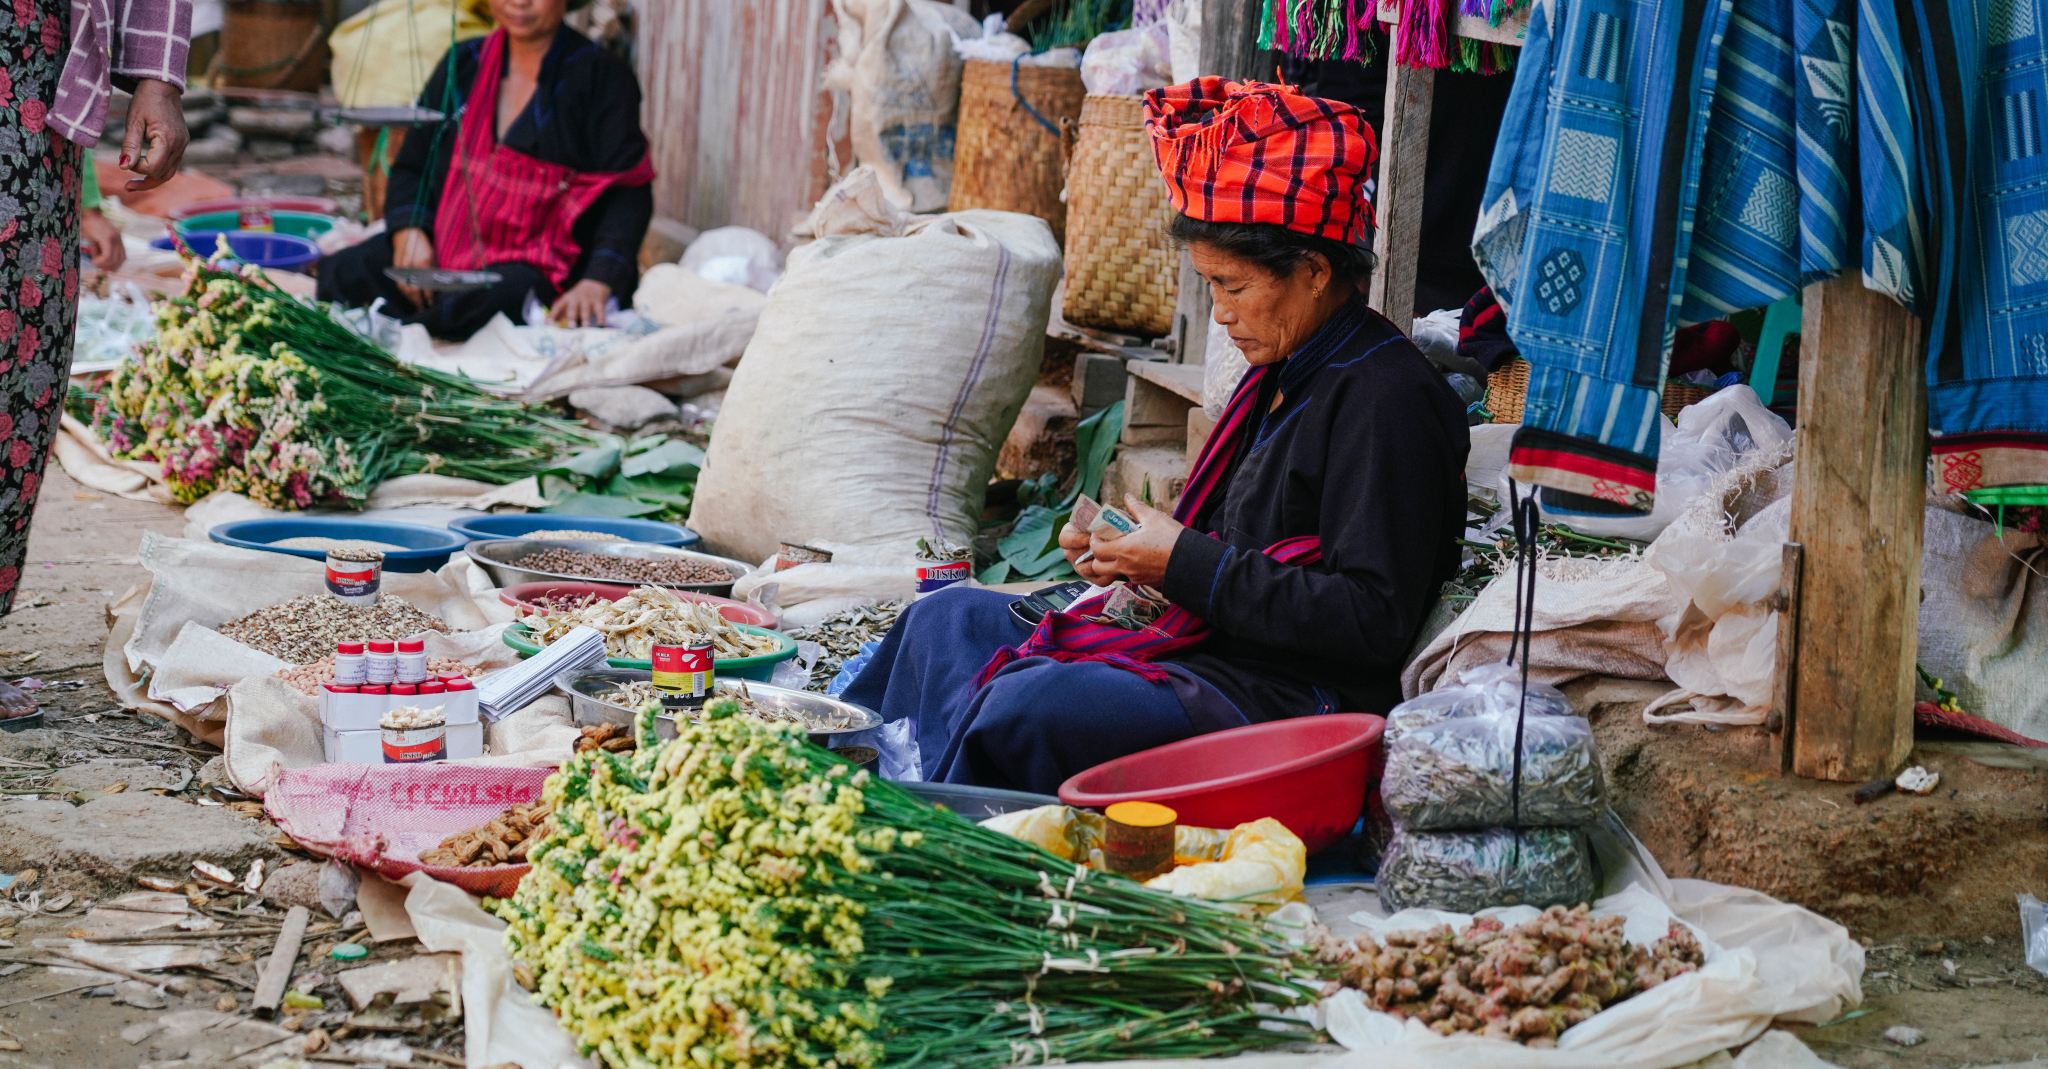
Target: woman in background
<point>540,175</point>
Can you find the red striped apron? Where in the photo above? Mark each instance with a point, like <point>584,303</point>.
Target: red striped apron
<point>502,206</point>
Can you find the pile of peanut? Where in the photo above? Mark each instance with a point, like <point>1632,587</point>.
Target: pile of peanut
<point>1528,983</point>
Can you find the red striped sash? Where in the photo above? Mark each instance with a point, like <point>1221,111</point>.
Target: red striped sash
<point>502,206</point>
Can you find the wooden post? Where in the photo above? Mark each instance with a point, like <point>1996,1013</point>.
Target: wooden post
<point>1784,705</point>
<point>1230,41</point>
<point>1858,496</point>
<point>1397,207</point>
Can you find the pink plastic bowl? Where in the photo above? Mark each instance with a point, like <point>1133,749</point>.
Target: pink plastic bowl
<point>1310,773</point>
<point>523,595</point>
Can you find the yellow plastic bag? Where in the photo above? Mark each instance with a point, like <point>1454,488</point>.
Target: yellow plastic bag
<point>1260,862</point>
<point>384,53</point>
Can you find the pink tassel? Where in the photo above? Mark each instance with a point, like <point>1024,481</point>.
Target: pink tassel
<point>1425,30</point>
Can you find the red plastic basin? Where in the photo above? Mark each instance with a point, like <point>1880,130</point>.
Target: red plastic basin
<point>1310,773</point>
<point>524,595</point>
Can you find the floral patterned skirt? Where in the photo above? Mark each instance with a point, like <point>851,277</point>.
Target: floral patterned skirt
<point>38,265</point>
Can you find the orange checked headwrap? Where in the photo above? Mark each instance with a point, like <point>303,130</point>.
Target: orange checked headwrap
<point>1248,152</point>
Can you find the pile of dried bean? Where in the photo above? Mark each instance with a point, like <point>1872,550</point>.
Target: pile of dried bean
<point>624,569</point>
<point>1528,983</point>
<point>307,627</point>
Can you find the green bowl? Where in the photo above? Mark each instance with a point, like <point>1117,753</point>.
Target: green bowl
<point>759,668</point>
<point>297,224</point>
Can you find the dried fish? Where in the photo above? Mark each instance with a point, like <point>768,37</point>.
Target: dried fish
<point>649,616</point>
<point>216,873</point>
<point>635,693</point>
<point>1462,774</point>
<point>1467,871</point>
<point>842,634</point>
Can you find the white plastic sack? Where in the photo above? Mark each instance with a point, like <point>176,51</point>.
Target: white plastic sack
<point>1184,39</point>
<point>1128,62</point>
<point>855,576</point>
<point>743,257</point>
<point>896,59</point>
<point>500,1023</point>
<point>1710,439</point>
<point>881,383</point>
<point>1223,367</point>
<point>1488,459</point>
<point>1723,559</point>
<point>995,45</point>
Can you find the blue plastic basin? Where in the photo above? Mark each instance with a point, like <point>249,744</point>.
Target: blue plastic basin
<point>535,524</point>
<point>260,247</point>
<point>427,548</point>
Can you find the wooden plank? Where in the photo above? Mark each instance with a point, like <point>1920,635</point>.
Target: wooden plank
<point>1784,683</point>
<point>1404,157</point>
<point>1510,31</point>
<point>277,969</point>
<point>1857,501</point>
<point>1230,41</point>
<point>1182,379</point>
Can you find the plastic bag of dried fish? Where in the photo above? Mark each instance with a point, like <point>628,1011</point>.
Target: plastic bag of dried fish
<point>1461,774</point>
<point>1467,871</point>
<point>1487,689</point>
<point>633,624</point>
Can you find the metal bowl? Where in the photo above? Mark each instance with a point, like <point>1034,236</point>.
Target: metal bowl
<point>495,556</point>
<point>588,708</point>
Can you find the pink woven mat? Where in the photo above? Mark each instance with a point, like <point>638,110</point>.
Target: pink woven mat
<point>382,816</point>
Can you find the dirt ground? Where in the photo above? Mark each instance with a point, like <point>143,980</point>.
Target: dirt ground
<point>1927,884</point>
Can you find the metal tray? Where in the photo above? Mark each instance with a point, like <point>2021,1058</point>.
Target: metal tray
<point>588,708</point>
<point>494,555</point>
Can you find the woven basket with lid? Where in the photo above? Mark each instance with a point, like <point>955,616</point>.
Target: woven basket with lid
<point>1122,272</point>
<point>1004,158</point>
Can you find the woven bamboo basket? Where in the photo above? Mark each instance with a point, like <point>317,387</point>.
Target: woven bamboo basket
<point>1122,272</point>
<point>1003,157</point>
<point>1506,388</point>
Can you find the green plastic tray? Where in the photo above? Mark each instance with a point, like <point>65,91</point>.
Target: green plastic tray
<point>760,669</point>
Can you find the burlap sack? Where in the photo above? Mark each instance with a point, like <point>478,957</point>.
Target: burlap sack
<point>1983,617</point>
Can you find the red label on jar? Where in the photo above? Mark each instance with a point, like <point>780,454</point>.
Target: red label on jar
<point>415,744</point>
<point>683,670</point>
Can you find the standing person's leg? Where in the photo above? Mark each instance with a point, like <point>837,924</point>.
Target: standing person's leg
<point>926,666</point>
<point>38,288</point>
<point>1041,721</point>
<point>456,316</point>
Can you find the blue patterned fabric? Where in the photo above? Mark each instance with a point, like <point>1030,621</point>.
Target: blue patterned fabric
<point>1746,239</point>
<point>1585,226</point>
<point>1986,83</point>
<point>1824,88</point>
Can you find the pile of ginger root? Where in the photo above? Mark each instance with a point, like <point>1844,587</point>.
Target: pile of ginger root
<point>1527,983</point>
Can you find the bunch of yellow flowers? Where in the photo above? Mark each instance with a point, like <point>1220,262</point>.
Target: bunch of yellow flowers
<point>739,897</point>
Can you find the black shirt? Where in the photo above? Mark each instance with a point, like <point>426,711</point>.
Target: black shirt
<point>584,115</point>
<point>1367,451</point>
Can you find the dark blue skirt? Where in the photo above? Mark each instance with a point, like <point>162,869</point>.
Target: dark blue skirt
<point>1039,721</point>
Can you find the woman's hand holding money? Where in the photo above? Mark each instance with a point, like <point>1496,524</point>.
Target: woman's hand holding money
<point>1074,541</point>
<point>1140,556</point>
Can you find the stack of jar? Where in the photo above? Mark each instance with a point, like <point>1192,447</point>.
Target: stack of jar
<point>1474,829</point>
<point>376,677</point>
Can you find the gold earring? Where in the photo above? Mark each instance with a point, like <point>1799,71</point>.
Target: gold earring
<point>1317,292</point>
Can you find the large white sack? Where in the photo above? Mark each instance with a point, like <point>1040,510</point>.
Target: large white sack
<point>896,59</point>
<point>879,386</point>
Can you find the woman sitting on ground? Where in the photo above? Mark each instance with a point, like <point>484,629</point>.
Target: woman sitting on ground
<point>1316,527</point>
<point>540,176</point>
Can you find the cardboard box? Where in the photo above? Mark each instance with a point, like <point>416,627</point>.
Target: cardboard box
<point>367,747</point>
<point>361,712</point>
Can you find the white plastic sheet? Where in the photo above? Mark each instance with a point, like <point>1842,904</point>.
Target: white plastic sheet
<point>500,1023</point>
